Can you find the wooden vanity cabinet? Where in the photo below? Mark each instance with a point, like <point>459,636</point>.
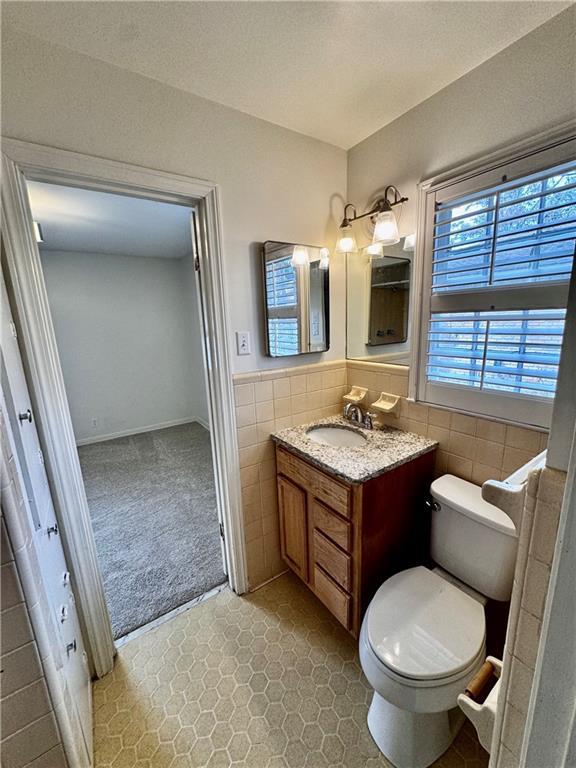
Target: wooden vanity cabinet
<point>345,539</point>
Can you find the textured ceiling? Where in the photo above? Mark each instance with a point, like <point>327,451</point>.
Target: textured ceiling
<point>86,221</point>
<point>337,71</point>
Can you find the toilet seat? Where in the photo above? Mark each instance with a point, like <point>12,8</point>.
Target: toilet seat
<point>424,629</point>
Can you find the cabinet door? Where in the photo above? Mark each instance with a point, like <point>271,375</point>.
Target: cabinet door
<point>293,526</point>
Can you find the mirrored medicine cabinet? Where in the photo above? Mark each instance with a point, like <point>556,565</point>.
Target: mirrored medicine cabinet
<point>296,299</point>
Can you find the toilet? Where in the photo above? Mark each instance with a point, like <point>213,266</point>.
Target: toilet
<point>424,634</point>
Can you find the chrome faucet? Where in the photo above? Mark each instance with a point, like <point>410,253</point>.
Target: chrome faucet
<point>354,413</point>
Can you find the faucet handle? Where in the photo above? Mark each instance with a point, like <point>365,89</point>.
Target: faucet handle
<point>369,417</point>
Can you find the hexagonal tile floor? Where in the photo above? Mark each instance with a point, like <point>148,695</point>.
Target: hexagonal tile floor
<point>264,681</point>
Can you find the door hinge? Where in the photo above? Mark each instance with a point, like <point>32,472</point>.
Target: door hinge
<point>221,530</point>
<point>197,264</point>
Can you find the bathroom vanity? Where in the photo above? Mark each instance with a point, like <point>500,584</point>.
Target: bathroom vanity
<point>351,516</point>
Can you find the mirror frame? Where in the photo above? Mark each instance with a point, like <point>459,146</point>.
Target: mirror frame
<point>265,302</point>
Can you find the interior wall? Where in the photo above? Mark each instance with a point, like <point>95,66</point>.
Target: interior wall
<point>275,184</point>
<point>129,340</point>
<point>525,89</point>
<point>536,543</point>
<point>30,734</point>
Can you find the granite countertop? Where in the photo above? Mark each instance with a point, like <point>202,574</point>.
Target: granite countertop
<point>386,448</point>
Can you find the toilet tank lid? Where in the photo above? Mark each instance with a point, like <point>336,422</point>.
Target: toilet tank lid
<point>467,499</point>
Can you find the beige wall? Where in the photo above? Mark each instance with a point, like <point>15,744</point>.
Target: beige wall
<point>475,449</point>
<point>521,91</point>
<point>535,553</point>
<point>275,184</point>
<point>266,402</point>
<point>30,736</point>
<point>472,448</point>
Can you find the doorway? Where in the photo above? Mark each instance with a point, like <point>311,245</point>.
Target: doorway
<point>23,163</point>
<point>121,284</point>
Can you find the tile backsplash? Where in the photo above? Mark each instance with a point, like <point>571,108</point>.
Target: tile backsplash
<point>536,543</point>
<point>475,449</point>
<point>30,735</point>
<point>267,401</point>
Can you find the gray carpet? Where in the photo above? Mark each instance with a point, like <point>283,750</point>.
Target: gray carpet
<point>153,506</point>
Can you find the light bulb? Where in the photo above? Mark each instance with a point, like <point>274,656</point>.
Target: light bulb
<point>410,242</point>
<point>299,256</point>
<point>375,250</point>
<point>346,240</point>
<point>324,258</point>
<point>386,229</point>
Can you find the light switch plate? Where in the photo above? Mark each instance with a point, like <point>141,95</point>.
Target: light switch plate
<point>243,345</point>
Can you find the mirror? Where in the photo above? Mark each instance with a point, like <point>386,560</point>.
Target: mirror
<point>296,299</point>
<point>378,300</point>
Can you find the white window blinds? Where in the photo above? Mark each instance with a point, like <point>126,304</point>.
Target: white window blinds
<point>520,234</point>
<point>500,262</point>
<point>282,297</point>
<point>516,351</point>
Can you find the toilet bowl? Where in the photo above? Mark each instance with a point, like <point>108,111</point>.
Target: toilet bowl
<point>424,633</point>
<point>421,640</point>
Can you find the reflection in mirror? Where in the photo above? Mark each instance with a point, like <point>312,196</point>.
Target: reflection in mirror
<point>378,295</point>
<point>389,287</point>
<point>296,284</point>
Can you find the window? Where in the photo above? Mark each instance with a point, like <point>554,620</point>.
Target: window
<point>282,298</point>
<point>498,260</point>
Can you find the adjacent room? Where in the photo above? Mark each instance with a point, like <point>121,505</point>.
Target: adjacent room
<point>119,273</point>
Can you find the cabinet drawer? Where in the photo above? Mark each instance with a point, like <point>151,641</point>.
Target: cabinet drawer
<point>338,530</point>
<point>334,598</point>
<point>335,562</point>
<point>330,491</point>
<point>291,467</point>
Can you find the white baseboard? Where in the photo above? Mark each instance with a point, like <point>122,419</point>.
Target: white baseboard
<point>203,423</point>
<point>138,431</point>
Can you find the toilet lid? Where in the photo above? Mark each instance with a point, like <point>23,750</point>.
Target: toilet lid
<point>423,627</point>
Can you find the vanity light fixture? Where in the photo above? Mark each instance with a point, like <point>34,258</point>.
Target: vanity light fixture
<point>346,242</point>
<point>410,242</point>
<point>324,258</point>
<point>385,224</point>
<point>300,256</point>
<point>375,250</point>
<point>38,232</point>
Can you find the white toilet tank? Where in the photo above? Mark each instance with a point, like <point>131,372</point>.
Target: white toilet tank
<point>472,539</point>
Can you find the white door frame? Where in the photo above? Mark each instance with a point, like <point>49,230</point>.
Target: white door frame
<point>21,161</point>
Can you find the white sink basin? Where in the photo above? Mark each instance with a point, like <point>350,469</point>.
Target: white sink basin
<point>336,436</point>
